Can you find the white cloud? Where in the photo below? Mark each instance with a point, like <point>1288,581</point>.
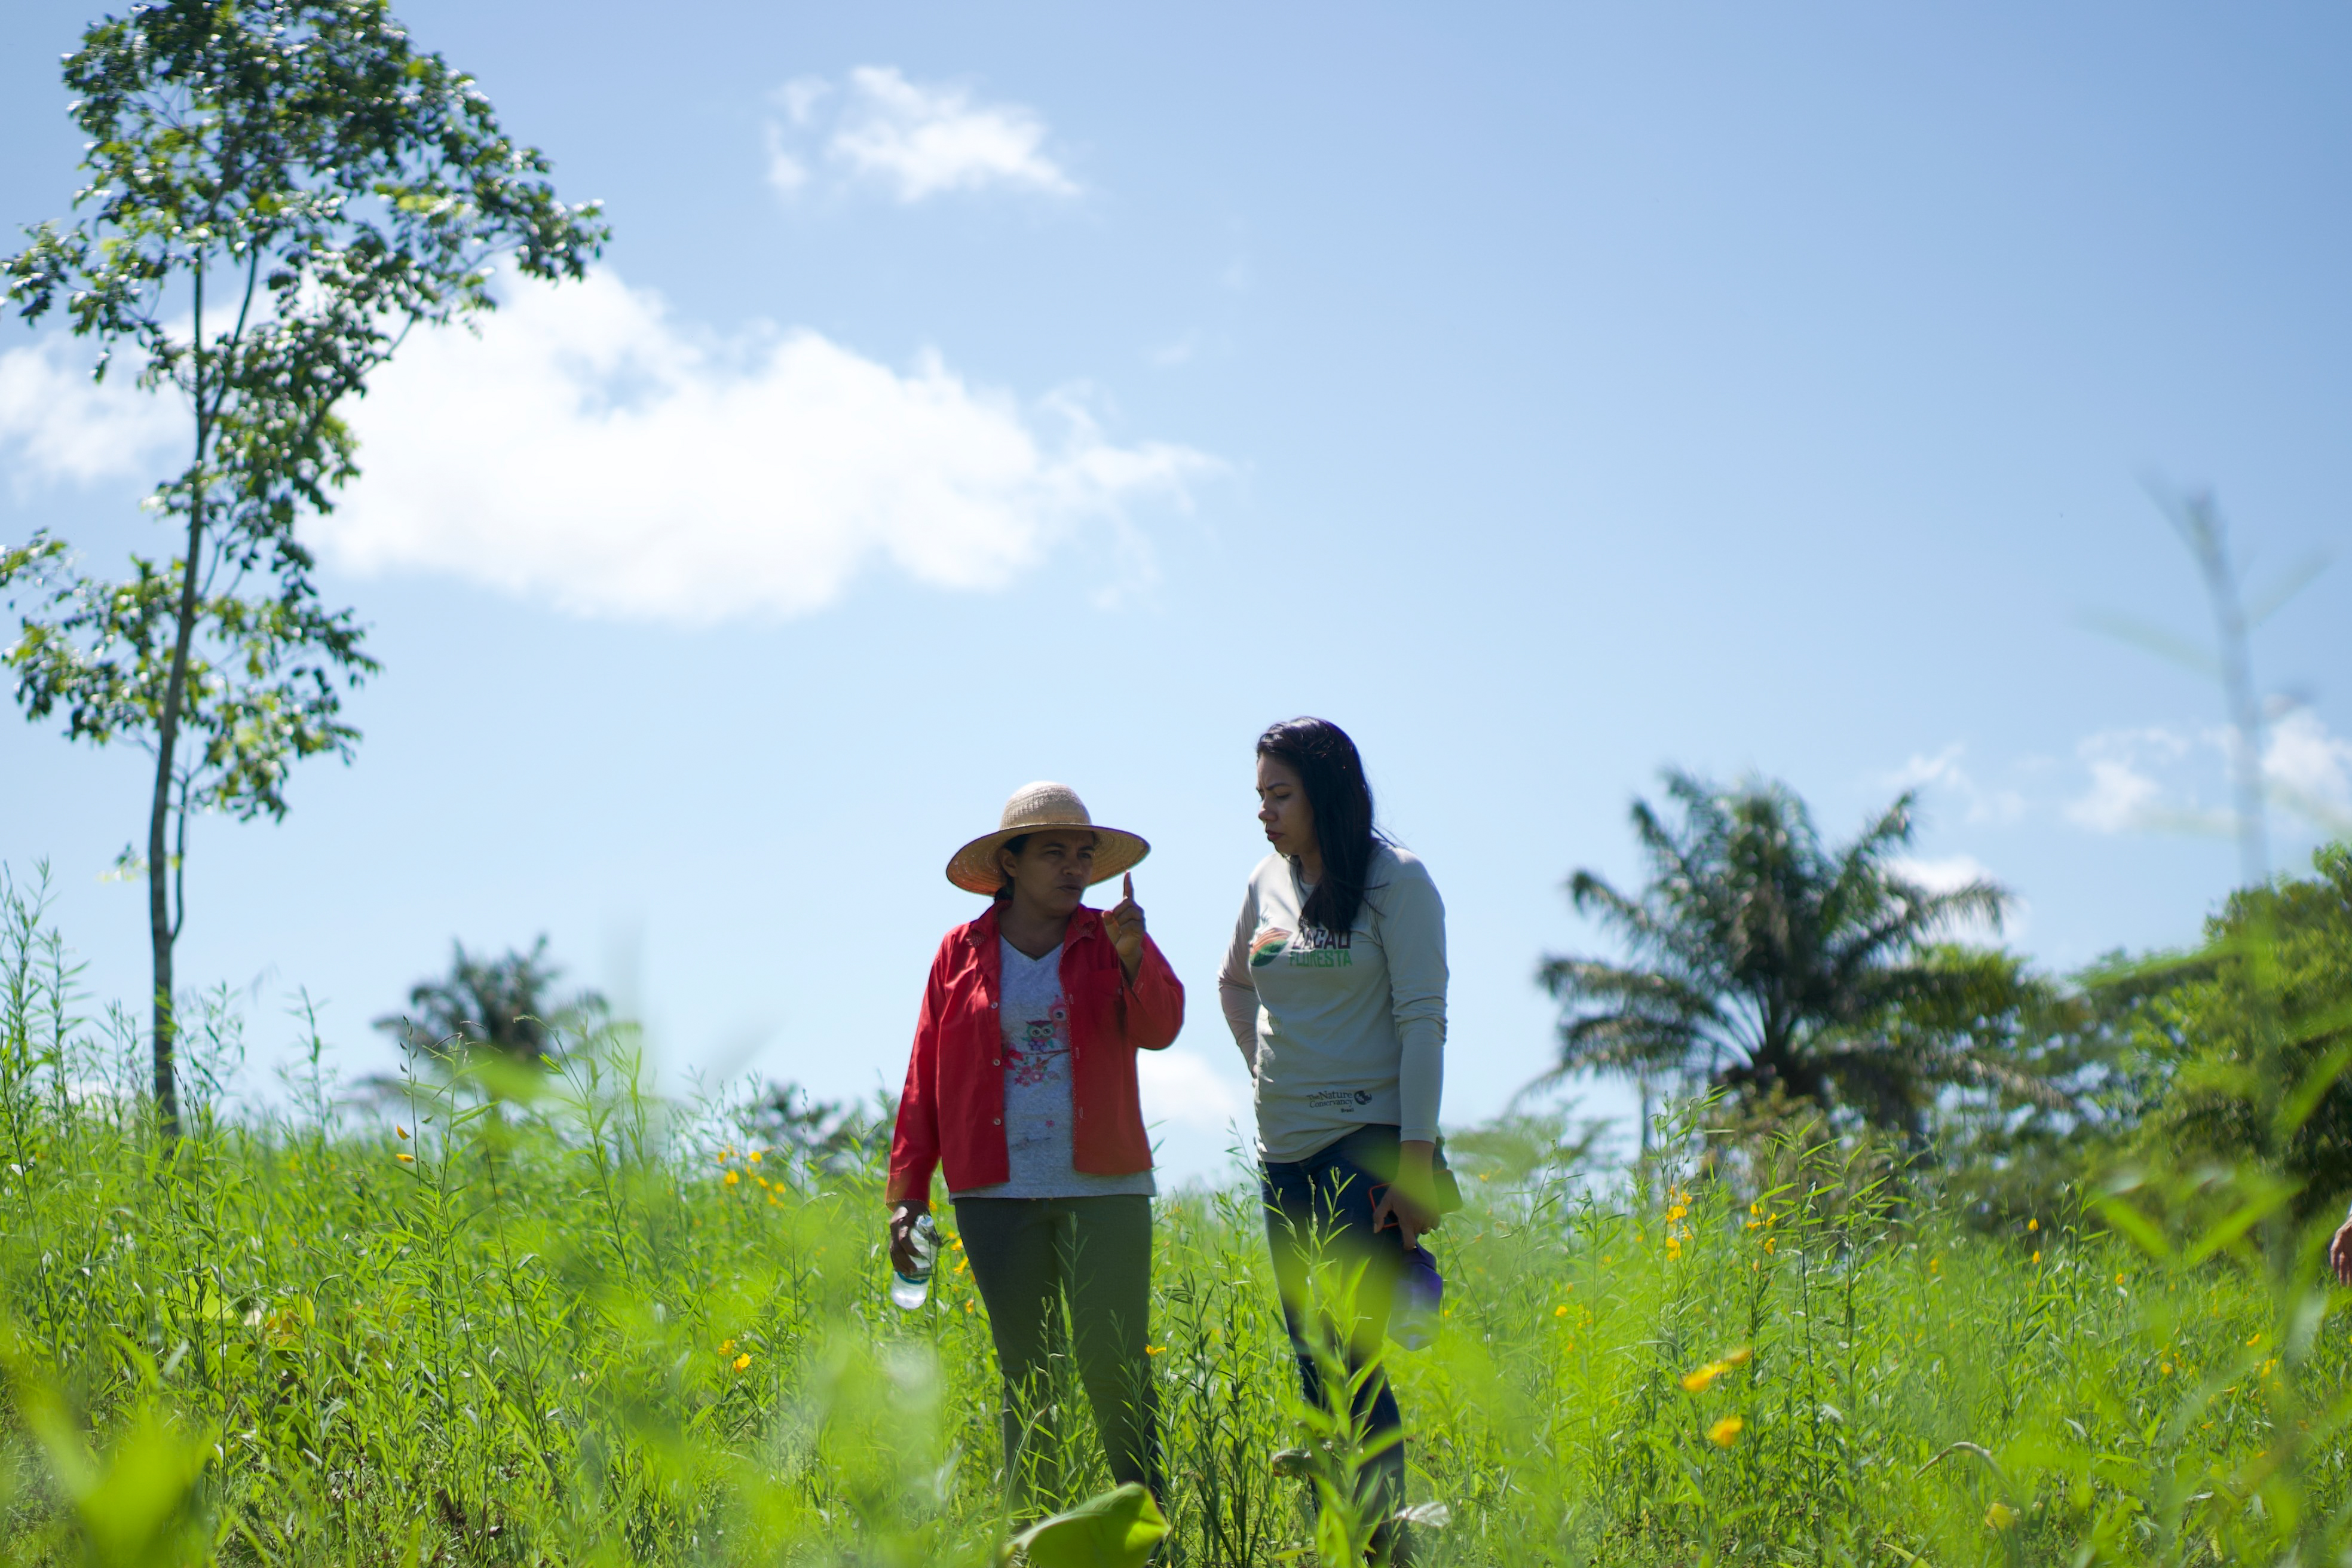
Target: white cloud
<point>2309,771</point>
<point>1943,874</point>
<point>2156,777</point>
<point>1943,771</point>
<point>66,426</point>
<point>1181,351</point>
<point>2123,794</point>
<point>786,174</point>
<point>799,97</point>
<point>913,139</point>
<point>1180,1086</point>
<point>589,450</point>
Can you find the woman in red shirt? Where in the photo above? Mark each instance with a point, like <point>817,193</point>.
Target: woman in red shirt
<point>1021,1085</point>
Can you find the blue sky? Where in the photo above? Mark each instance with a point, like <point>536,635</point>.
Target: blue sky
<point>1547,395</point>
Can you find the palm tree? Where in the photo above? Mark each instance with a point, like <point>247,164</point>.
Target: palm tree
<point>502,1009</point>
<point>1759,962</point>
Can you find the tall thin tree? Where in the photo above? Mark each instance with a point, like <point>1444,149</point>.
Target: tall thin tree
<point>278,192</point>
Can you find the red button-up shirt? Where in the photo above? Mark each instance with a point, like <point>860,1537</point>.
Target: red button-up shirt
<point>952,1112</point>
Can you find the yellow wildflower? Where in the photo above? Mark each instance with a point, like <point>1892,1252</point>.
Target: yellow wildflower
<point>1676,1212</point>
<point>727,1347</point>
<point>1561,1311</point>
<point>2037,1255</point>
<point>397,1127</point>
<point>2033,1224</point>
<point>1738,1357</point>
<point>2164,1368</point>
<point>1768,1244</point>
<point>732,1178</point>
<point>1703,1379</point>
<point>1153,1350</point>
<point>406,1158</point>
<point>753,1156</point>
<point>743,1361</point>
<point>1726,1431</point>
<point>2000,1516</point>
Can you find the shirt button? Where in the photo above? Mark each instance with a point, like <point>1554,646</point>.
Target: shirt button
<point>996,1061</point>
<point>998,1122</point>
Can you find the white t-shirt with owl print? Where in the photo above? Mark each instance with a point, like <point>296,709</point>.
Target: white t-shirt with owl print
<point>1341,1029</point>
<point>1037,1100</point>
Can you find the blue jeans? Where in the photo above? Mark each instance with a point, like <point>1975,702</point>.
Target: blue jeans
<point>1324,1203</point>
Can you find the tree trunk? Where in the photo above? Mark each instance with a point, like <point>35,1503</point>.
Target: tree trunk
<point>162,921</point>
<point>162,926</point>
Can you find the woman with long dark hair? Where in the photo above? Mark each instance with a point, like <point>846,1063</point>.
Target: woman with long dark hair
<point>1335,990</point>
<point>1022,1085</point>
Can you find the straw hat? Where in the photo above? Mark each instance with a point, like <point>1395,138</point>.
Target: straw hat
<point>1034,808</point>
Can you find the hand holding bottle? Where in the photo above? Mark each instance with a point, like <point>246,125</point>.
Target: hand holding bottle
<point>914,1244</point>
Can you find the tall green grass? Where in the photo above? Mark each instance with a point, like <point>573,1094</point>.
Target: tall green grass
<point>591,1326</point>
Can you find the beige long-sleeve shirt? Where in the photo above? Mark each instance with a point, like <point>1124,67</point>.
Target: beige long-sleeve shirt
<point>1340,1030</point>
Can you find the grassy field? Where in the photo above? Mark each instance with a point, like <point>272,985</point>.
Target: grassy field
<point>598,1328</point>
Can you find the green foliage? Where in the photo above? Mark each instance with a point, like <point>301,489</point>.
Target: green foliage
<point>278,191</point>
<point>1117,1529</point>
<point>820,1138</point>
<point>2248,1040</point>
<point>505,1008</point>
<point>1764,962</point>
<point>592,1327</point>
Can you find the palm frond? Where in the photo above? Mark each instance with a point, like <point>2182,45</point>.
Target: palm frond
<point>1812,969</point>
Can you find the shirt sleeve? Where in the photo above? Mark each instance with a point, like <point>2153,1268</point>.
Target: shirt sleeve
<point>1152,1004</point>
<point>915,1139</point>
<point>1236,992</point>
<point>1413,934</point>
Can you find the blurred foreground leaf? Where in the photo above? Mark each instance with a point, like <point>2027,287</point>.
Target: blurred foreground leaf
<point>1114,1529</point>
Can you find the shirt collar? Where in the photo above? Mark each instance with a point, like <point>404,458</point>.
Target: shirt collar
<point>1085,925</point>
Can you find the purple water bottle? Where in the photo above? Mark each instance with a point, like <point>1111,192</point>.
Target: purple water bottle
<point>1421,1293</point>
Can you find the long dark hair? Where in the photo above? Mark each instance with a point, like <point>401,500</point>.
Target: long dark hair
<point>1327,765</point>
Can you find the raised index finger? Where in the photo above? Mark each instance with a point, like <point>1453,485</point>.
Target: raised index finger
<point>1127,887</point>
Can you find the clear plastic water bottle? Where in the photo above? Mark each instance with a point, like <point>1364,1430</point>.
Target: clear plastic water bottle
<point>908,1292</point>
<point>1419,1299</point>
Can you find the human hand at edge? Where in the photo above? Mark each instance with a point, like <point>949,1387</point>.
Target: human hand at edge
<point>1410,1203</point>
<point>1124,921</point>
<point>903,1214</point>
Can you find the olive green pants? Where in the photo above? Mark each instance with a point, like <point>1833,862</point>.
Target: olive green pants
<point>1035,1260</point>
